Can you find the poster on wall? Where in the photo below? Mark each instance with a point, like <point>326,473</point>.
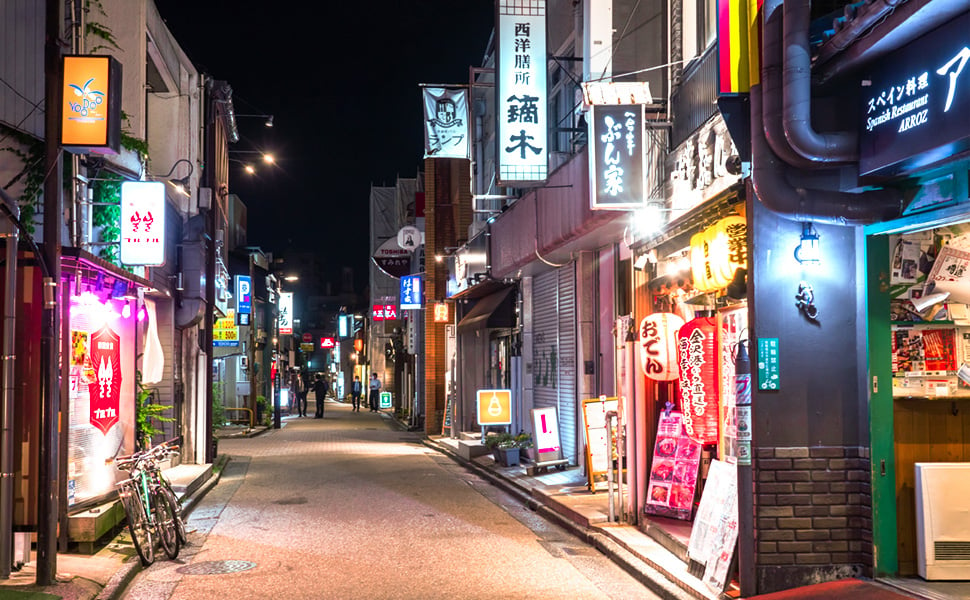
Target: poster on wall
<point>105,390</point>
<point>673,476</point>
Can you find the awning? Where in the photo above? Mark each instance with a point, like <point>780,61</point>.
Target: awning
<point>495,310</point>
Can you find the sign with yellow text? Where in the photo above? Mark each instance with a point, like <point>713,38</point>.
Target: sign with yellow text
<point>91,105</point>
<point>225,332</point>
<point>494,407</point>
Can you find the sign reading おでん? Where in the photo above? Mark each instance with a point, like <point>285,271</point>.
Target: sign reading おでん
<point>143,223</point>
<point>916,102</point>
<point>521,87</point>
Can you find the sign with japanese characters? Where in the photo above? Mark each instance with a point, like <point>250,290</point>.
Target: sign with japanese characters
<point>410,292</point>
<point>697,341</point>
<point>697,168</point>
<point>244,294</point>
<point>394,260</point>
<point>384,312</point>
<point>91,105</point>
<point>522,148</point>
<point>286,313</point>
<point>445,123</point>
<point>673,471</point>
<point>143,223</point>
<point>327,343</point>
<point>225,332</point>
<point>916,103</point>
<point>658,346</point>
<point>105,390</point>
<point>616,157</point>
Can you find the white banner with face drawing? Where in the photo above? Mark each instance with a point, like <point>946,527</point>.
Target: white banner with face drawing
<point>445,123</point>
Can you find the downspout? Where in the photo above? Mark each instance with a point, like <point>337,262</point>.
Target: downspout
<point>771,88</point>
<point>768,178</point>
<point>836,147</point>
<point>7,400</point>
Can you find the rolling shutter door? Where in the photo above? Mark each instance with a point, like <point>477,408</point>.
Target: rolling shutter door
<point>554,348</point>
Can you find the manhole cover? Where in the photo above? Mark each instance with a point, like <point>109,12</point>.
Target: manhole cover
<point>216,567</point>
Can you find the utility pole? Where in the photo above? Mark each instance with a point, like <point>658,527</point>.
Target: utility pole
<point>49,451</point>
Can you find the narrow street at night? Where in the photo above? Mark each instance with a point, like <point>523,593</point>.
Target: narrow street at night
<point>351,507</point>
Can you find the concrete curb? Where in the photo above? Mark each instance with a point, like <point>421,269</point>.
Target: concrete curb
<point>653,579</point>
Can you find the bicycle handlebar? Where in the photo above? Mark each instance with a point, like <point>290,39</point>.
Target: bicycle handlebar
<point>156,453</point>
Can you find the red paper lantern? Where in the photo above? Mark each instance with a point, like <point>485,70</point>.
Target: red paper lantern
<point>658,345</point>
<point>697,354</point>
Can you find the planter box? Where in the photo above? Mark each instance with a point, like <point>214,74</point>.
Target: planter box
<point>507,457</point>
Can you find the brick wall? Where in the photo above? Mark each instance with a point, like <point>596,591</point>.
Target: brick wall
<point>813,515</point>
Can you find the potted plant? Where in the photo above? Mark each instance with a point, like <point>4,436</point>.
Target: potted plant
<point>523,441</point>
<point>147,410</point>
<point>504,448</point>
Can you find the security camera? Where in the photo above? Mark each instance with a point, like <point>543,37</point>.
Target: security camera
<point>733,164</point>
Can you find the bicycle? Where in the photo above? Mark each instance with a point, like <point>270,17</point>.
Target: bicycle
<point>150,505</point>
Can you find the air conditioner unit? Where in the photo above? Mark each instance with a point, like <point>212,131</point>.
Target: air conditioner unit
<point>943,520</point>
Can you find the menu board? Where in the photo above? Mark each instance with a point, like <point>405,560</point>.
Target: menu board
<point>673,475</point>
<point>715,530</point>
<point>599,453</point>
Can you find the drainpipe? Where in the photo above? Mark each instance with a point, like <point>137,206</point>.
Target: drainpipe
<point>797,103</point>
<point>768,178</point>
<point>7,399</point>
<point>771,88</point>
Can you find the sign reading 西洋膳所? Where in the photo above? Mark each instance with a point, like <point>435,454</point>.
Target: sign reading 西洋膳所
<point>521,92</point>
<point>916,103</point>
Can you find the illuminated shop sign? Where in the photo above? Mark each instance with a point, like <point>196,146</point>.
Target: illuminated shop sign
<point>522,147</point>
<point>717,252</point>
<point>225,333</point>
<point>658,345</point>
<point>91,105</point>
<point>616,157</point>
<point>441,312</point>
<point>410,292</point>
<point>143,223</point>
<point>697,345</point>
<point>916,103</point>
<point>244,295</point>
<point>327,343</point>
<point>384,312</point>
<point>286,313</point>
<point>698,167</point>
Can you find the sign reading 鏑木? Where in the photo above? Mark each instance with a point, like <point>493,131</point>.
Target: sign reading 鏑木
<point>916,103</point>
<point>522,149</point>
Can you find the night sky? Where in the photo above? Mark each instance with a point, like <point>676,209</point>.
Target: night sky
<point>341,79</point>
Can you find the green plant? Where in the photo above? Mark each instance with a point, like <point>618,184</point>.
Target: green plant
<point>500,440</point>
<point>106,214</point>
<point>218,410</point>
<point>262,407</point>
<point>523,440</point>
<point>30,152</point>
<point>146,413</point>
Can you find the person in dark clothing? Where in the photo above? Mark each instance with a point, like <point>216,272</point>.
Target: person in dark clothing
<point>355,391</point>
<point>375,391</point>
<point>320,388</point>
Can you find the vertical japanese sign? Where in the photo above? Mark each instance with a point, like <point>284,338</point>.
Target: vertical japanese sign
<point>410,292</point>
<point>143,223</point>
<point>445,123</point>
<point>91,105</point>
<point>521,87</point>
<point>616,157</point>
<point>286,313</point>
<point>244,296</point>
<point>105,390</point>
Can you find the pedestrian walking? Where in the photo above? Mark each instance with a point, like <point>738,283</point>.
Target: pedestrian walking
<point>298,393</point>
<point>320,388</point>
<point>304,390</point>
<point>375,390</point>
<point>356,388</point>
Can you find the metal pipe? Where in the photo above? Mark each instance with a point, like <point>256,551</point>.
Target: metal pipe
<point>610,415</point>
<point>7,400</point>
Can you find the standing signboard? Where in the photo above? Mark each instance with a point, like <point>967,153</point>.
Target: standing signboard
<point>545,433</point>
<point>599,453</point>
<point>715,530</point>
<point>494,407</point>
<point>673,471</point>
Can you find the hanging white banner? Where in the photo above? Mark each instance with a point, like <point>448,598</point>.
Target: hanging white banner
<point>445,123</point>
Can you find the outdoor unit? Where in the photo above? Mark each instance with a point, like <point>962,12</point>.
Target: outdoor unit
<point>943,520</point>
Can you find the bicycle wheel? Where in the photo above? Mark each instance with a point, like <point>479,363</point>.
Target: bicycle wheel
<point>179,523</point>
<point>139,527</point>
<point>164,516</point>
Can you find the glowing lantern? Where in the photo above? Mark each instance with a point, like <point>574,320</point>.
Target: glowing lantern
<point>697,346</point>
<point>730,248</point>
<point>698,261</point>
<point>658,345</point>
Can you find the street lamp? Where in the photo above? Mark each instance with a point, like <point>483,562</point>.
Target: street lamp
<point>182,184</point>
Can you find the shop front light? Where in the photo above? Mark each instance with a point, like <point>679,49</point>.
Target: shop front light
<point>808,252</point>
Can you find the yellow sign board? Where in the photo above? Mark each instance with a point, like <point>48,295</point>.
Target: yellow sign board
<point>91,104</point>
<point>494,407</point>
<point>224,331</point>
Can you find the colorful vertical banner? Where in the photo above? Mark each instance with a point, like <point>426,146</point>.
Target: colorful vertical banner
<point>735,32</point>
<point>105,390</point>
<point>445,123</point>
<point>410,292</point>
<point>697,344</point>
<point>286,313</point>
<point>143,223</point>
<point>91,105</point>
<point>673,472</point>
<point>522,148</point>
<point>616,157</point>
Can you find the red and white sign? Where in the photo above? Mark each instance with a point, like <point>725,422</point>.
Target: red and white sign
<point>697,343</point>
<point>143,223</point>
<point>384,312</point>
<point>326,343</point>
<point>392,259</point>
<point>658,345</point>
<point>105,390</point>
<point>673,472</point>
<point>308,337</point>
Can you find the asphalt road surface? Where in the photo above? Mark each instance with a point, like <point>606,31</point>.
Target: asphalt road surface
<point>350,507</point>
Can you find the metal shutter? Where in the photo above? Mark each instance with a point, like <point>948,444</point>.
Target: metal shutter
<point>554,351</point>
